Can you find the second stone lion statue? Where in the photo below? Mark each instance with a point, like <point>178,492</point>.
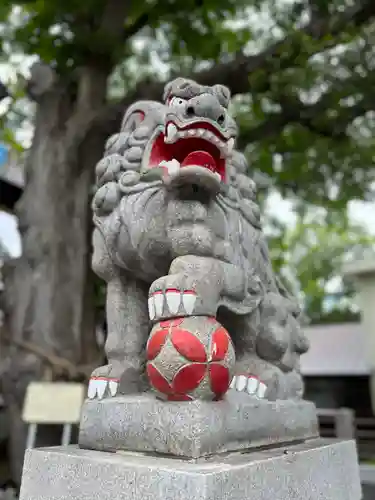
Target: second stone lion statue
<point>178,233</point>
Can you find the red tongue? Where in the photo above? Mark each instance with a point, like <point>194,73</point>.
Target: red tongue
<point>201,158</point>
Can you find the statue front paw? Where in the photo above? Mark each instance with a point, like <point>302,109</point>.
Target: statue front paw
<point>170,301</point>
<point>104,382</point>
<point>193,288</point>
<point>112,380</point>
<point>249,384</point>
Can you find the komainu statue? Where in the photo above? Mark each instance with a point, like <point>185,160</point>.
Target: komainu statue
<point>178,235</point>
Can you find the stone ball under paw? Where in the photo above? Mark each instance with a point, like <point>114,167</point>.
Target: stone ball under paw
<point>190,358</point>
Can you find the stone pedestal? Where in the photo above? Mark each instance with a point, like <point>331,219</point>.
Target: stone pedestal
<point>194,429</point>
<point>241,448</point>
<point>315,470</point>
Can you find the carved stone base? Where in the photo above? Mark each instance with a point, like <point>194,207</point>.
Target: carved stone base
<point>193,429</point>
<point>315,470</point>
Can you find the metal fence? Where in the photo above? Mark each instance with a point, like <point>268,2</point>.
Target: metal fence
<point>342,423</point>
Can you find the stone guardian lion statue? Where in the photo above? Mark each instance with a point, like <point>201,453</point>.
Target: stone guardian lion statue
<point>178,233</point>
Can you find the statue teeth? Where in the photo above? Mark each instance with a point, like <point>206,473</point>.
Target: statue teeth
<point>173,166</point>
<point>192,131</point>
<point>218,176</point>
<point>172,132</point>
<point>230,145</point>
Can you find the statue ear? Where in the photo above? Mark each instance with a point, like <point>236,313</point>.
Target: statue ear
<point>223,94</point>
<point>131,121</point>
<point>138,111</point>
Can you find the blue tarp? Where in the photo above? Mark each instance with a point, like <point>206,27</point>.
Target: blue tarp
<point>4,154</point>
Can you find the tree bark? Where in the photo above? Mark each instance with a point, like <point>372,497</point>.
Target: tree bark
<point>49,290</point>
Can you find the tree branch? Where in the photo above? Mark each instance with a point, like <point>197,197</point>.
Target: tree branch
<point>93,78</point>
<point>59,365</point>
<point>113,17</point>
<point>237,74</point>
<point>294,111</point>
<point>138,24</point>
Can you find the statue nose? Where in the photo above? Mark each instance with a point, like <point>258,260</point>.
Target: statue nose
<point>205,106</point>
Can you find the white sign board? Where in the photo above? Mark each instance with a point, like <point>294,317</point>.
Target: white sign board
<point>53,403</point>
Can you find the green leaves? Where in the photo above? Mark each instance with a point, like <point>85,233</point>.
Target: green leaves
<point>8,137</point>
<point>310,255</point>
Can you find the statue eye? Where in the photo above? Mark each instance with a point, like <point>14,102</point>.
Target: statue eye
<point>177,102</point>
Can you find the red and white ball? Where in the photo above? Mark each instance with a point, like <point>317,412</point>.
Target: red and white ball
<point>190,358</point>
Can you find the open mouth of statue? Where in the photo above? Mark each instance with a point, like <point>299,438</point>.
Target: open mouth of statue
<point>197,146</point>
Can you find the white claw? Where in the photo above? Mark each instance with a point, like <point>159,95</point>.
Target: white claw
<point>113,386</point>
<point>230,145</point>
<point>218,176</point>
<point>241,382</point>
<point>91,392</point>
<point>188,301</point>
<point>151,308</point>
<point>159,303</point>
<point>173,300</point>
<point>261,390</point>
<point>249,384</point>
<point>171,133</point>
<point>101,387</point>
<point>252,385</point>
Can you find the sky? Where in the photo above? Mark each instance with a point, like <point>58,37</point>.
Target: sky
<point>9,234</point>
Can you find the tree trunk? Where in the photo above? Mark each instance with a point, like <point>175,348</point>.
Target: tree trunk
<point>49,290</point>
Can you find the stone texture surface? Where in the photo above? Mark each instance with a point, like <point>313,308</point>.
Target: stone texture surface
<point>193,429</point>
<point>315,470</point>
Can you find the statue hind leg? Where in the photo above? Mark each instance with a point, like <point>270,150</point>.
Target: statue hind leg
<point>260,370</point>
<point>253,375</point>
<point>128,327</point>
